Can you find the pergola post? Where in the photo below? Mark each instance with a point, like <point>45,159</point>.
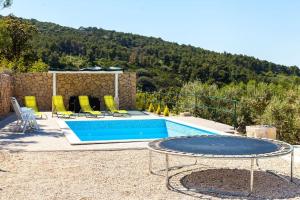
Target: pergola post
<point>117,89</point>
<point>54,84</point>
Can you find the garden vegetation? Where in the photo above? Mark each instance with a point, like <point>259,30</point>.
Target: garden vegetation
<point>237,104</point>
<point>233,89</point>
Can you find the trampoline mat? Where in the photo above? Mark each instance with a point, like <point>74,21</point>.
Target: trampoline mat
<point>219,145</point>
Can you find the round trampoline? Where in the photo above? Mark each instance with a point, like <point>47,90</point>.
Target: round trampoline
<point>221,146</point>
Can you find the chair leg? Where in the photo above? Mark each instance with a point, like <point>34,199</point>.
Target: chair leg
<point>19,125</point>
<point>25,126</point>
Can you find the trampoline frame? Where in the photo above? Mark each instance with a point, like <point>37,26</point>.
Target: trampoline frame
<point>284,150</point>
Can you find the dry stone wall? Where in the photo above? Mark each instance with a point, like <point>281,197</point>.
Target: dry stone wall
<point>98,85</point>
<point>34,84</point>
<point>127,90</point>
<point>5,93</point>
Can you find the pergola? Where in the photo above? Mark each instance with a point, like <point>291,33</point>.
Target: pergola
<point>115,72</point>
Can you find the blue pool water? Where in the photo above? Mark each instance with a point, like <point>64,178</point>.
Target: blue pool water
<point>108,130</point>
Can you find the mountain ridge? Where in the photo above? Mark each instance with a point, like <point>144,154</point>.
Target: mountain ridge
<point>159,64</point>
<point>157,38</point>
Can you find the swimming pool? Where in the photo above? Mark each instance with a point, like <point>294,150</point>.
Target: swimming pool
<point>98,131</point>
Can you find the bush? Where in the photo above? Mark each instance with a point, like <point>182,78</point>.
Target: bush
<point>146,84</point>
<point>166,111</point>
<point>38,66</point>
<point>256,103</point>
<point>151,108</point>
<point>193,96</point>
<point>284,115</point>
<point>144,72</point>
<point>144,99</point>
<point>141,101</point>
<point>158,111</point>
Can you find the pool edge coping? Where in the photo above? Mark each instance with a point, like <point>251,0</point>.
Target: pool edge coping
<point>73,139</point>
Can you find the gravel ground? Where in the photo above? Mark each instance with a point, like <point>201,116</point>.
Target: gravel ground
<point>87,175</point>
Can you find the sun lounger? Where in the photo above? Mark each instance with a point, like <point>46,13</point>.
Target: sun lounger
<point>30,102</point>
<point>25,116</point>
<point>111,106</point>
<point>86,107</point>
<point>58,107</point>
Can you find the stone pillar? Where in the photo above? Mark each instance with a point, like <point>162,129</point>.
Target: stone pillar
<point>5,93</point>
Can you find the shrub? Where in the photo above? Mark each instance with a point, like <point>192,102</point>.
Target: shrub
<point>256,103</point>
<point>146,84</point>
<point>284,115</point>
<point>140,101</point>
<point>151,108</point>
<point>38,66</point>
<point>158,111</point>
<point>144,72</point>
<point>193,97</point>
<point>166,111</point>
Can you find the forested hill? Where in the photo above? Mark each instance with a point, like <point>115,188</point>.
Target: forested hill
<point>159,64</point>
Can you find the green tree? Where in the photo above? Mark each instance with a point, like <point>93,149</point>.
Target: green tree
<point>146,84</point>
<point>257,103</point>
<point>5,41</point>
<point>17,34</point>
<point>283,113</point>
<point>38,66</point>
<point>165,64</point>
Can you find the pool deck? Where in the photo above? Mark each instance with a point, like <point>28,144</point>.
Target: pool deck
<point>43,165</point>
<point>51,138</point>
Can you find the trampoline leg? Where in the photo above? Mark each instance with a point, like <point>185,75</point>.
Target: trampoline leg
<point>251,175</point>
<point>167,170</point>
<point>292,164</point>
<point>256,162</point>
<point>150,161</point>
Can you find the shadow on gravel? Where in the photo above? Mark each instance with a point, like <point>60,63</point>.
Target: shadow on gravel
<point>7,120</point>
<point>234,183</point>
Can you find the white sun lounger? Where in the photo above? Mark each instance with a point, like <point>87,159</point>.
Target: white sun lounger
<point>25,116</point>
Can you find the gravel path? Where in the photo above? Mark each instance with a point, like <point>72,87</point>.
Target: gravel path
<point>87,175</point>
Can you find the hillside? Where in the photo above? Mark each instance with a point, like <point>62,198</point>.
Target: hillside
<point>159,64</point>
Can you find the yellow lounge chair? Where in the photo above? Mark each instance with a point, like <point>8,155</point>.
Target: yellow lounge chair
<point>86,107</point>
<point>111,106</point>
<point>30,102</point>
<point>58,107</point>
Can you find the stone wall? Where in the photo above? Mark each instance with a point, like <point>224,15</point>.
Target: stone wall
<point>5,93</point>
<point>98,85</point>
<point>34,84</point>
<point>127,90</point>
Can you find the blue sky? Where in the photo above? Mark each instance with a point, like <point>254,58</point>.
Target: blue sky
<point>266,29</point>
